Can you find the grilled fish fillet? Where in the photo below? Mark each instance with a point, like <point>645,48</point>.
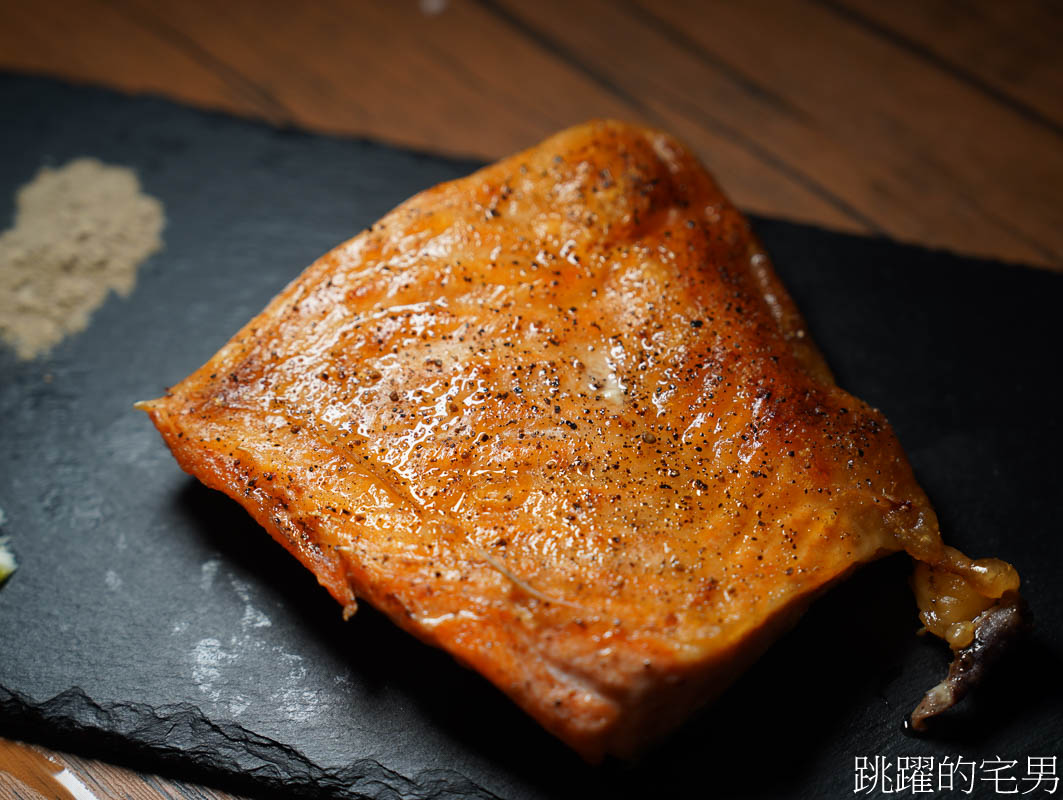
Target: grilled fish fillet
<point>561,419</point>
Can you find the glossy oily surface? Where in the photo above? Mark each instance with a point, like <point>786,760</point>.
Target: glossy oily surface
<point>561,419</point>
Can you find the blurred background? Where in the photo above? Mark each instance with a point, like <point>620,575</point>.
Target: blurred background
<point>934,122</point>
<point>931,121</point>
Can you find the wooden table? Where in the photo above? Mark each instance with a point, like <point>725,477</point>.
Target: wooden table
<point>930,121</point>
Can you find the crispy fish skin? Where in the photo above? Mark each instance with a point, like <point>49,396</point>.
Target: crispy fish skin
<point>561,419</point>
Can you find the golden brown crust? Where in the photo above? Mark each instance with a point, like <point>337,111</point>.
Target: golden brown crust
<point>561,419</point>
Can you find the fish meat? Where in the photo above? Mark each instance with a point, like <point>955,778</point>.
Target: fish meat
<point>561,419</point>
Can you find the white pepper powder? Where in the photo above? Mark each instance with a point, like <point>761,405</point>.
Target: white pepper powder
<point>80,232</point>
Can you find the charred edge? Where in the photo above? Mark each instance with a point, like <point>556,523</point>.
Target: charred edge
<point>996,631</point>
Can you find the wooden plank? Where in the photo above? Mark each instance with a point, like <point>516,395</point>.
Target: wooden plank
<point>809,133</point>
<point>93,41</point>
<point>465,81</point>
<point>931,157</point>
<point>1010,50</point>
<point>386,70</point>
<point>715,110</point>
<point>27,773</point>
<point>458,82</point>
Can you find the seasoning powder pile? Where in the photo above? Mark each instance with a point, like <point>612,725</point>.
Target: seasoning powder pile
<point>80,231</point>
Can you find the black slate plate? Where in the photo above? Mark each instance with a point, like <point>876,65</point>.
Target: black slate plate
<point>153,623</point>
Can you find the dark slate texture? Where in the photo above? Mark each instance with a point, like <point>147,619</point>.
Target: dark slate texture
<point>153,623</point>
